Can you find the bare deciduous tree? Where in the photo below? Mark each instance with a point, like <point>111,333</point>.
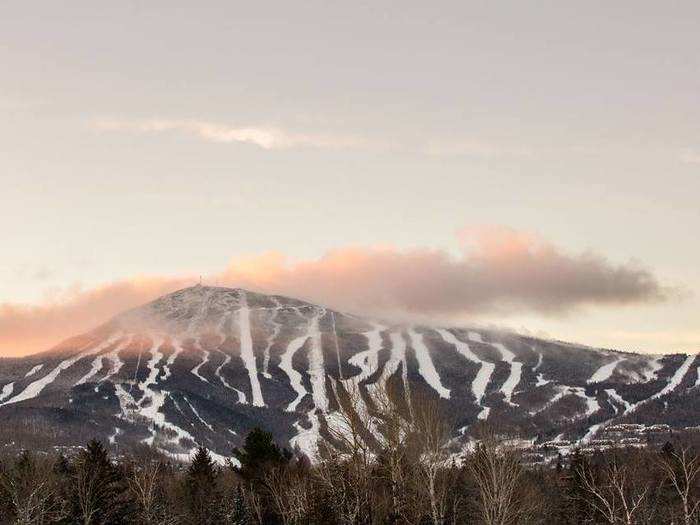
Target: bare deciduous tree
<point>681,470</point>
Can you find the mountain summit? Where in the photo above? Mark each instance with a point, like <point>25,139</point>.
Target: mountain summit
<point>204,365</point>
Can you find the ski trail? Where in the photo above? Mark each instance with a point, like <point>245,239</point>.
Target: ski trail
<point>271,339</point>
<point>96,366</point>
<point>115,360</point>
<point>34,370</point>
<point>612,393</point>
<point>337,347</point>
<point>592,405</point>
<point>247,354</point>
<point>306,440</point>
<point>286,366</point>
<point>153,370</point>
<point>317,368</point>
<point>483,376</point>
<point>7,390</point>
<point>672,384</point>
<point>367,360</point>
<point>539,361</point>
<point>177,350</point>
<point>227,359</point>
<point>205,359</point>
<point>35,388</point>
<point>426,368</point>
<point>516,369</point>
<point>397,358</point>
<point>196,414</point>
<point>604,372</point>
<point>653,368</point>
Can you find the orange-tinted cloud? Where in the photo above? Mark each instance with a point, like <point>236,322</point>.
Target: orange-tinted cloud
<point>500,271</point>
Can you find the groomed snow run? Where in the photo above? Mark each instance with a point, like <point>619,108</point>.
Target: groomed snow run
<point>426,368</point>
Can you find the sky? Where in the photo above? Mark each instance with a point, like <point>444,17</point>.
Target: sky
<point>527,165</point>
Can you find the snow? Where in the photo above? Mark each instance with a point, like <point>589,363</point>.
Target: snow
<point>476,337</point>
<point>317,369</point>
<point>368,360</point>
<point>484,414</point>
<point>271,339</point>
<point>486,369</point>
<point>653,368</point>
<point>516,369</point>
<point>604,372</point>
<point>247,354</point>
<point>592,405</point>
<point>34,370</point>
<point>227,360</point>
<point>541,381</point>
<point>294,376</point>
<point>177,350</point>
<point>306,440</point>
<point>153,370</point>
<point>196,414</point>
<point>34,389</point>
<point>95,368</point>
<point>617,398</point>
<point>426,368</point>
<point>7,390</point>
<point>675,380</point>
<point>205,359</point>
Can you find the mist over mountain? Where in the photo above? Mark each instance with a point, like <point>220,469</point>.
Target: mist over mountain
<point>204,365</point>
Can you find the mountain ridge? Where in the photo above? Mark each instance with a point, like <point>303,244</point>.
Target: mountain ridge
<point>203,365</point>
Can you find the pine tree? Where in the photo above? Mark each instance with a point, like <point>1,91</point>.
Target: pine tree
<point>258,453</point>
<point>99,492</point>
<point>202,490</point>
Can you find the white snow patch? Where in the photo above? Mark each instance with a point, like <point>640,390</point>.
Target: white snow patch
<point>7,390</point>
<point>34,370</point>
<point>196,414</point>
<point>426,368</point>
<point>34,389</point>
<point>604,372</point>
<point>205,359</point>
<point>516,369</point>
<point>617,398</point>
<point>486,369</point>
<point>247,354</point>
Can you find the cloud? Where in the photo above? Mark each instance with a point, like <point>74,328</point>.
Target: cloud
<point>266,137</point>
<point>499,272</point>
<point>476,148</point>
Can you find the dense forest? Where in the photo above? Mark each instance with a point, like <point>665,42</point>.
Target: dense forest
<point>400,469</point>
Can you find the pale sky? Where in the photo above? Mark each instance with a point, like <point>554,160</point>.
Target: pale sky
<point>166,139</point>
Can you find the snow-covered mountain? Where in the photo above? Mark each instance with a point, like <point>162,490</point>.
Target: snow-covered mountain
<point>204,365</point>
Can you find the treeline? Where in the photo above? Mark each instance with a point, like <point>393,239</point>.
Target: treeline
<point>393,467</point>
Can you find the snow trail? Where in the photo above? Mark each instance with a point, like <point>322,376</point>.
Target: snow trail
<point>227,359</point>
<point>516,369</point>
<point>317,369</point>
<point>7,390</point>
<point>426,368</point>
<point>271,339</point>
<point>205,360</point>
<point>34,370</point>
<point>368,360</point>
<point>194,411</point>
<point>177,350</point>
<point>486,369</point>
<point>287,367</point>
<point>612,393</point>
<point>35,388</point>
<point>604,372</point>
<point>247,354</point>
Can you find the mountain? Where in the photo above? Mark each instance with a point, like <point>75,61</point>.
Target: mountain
<point>204,365</point>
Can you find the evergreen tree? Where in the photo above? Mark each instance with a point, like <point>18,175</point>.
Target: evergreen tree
<point>202,491</point>
<point>99,492</point>
<point>259,452</point>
